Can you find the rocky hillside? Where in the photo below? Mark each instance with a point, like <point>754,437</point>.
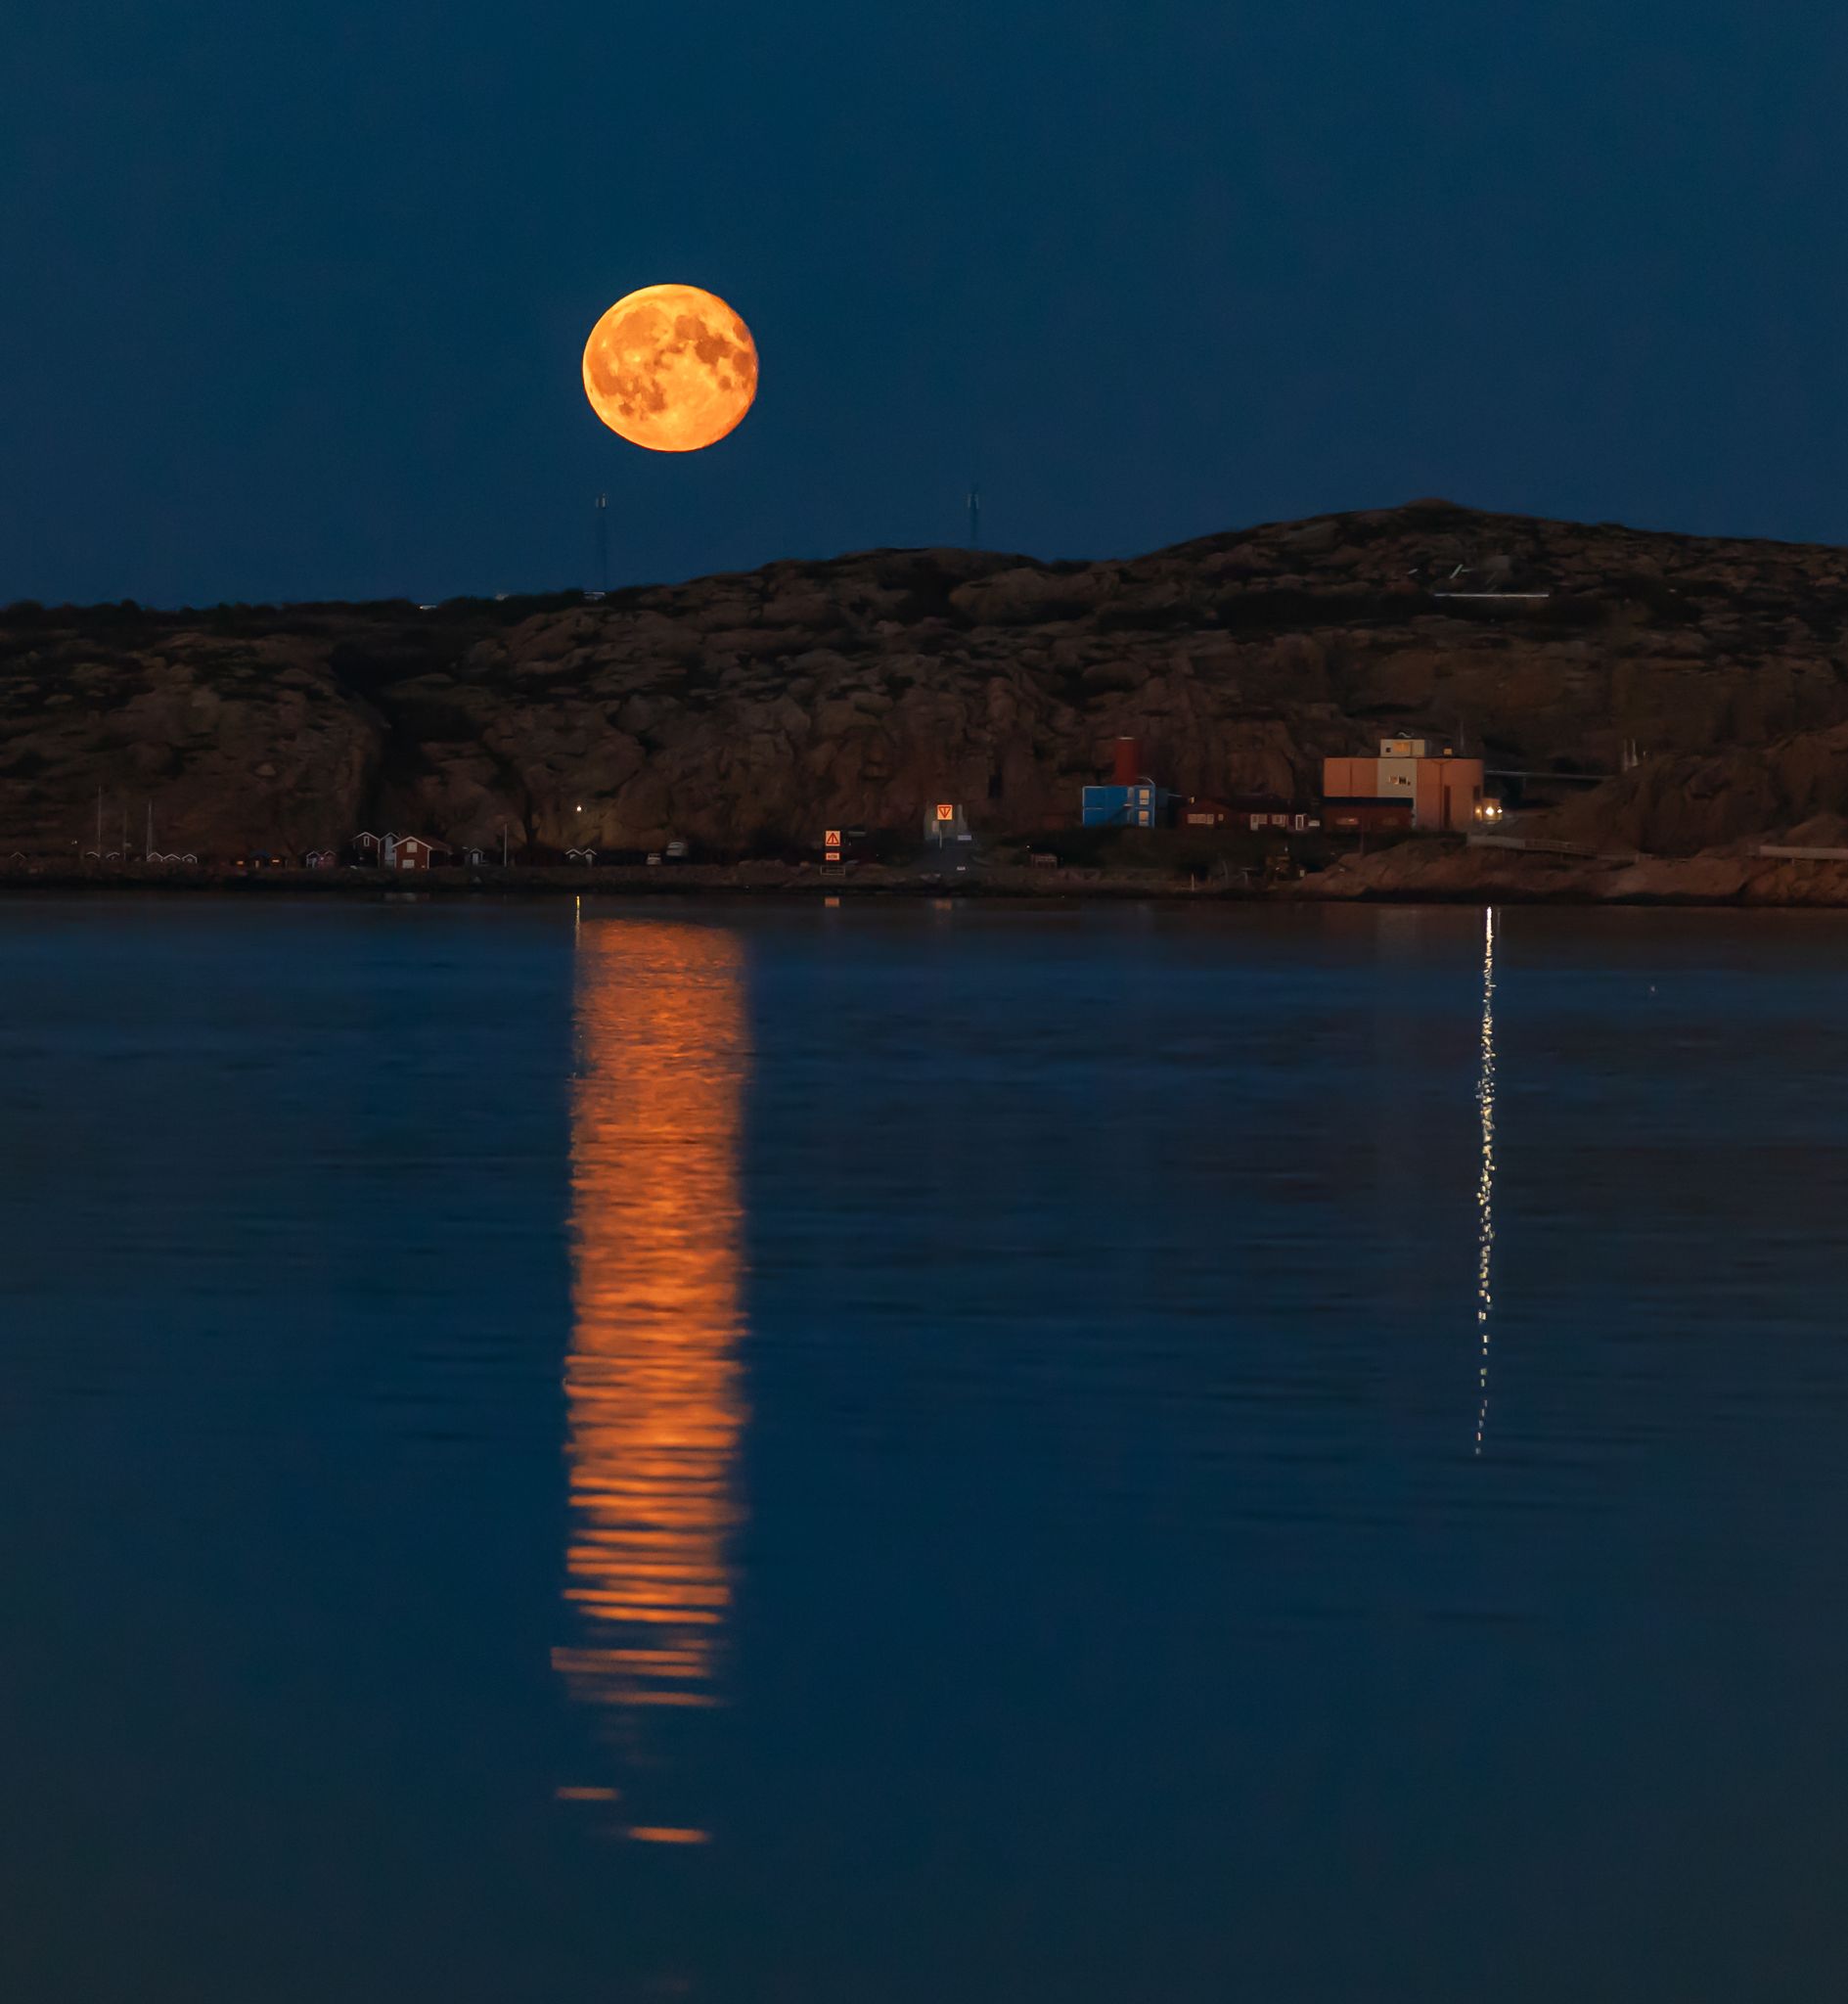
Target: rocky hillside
<point>748,711</point>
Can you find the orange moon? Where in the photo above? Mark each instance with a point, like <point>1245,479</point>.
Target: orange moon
<point>670,367</point>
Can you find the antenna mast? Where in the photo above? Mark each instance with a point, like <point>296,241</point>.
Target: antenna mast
<point>602,542</point>
<point>974,517</point>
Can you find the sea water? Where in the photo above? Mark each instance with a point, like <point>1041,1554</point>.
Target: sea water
<point>920,1452</point>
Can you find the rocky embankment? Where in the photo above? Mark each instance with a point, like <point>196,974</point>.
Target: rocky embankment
<point>744,713</point>
<point>1441,873</point>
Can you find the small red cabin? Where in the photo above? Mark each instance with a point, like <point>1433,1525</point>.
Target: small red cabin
<point>411,852</point>
<point>1256,813</point>
<point>1203,814</point>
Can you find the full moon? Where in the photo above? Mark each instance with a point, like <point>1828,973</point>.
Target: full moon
<point>670,367</point>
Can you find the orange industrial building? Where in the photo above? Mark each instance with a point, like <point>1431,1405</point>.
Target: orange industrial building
<point>1433,788</point>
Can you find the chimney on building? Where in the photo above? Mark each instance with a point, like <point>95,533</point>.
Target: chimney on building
<point>1128,766</point>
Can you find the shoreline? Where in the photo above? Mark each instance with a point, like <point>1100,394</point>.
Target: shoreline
<point>1404,876</point>
<point>748,880</point>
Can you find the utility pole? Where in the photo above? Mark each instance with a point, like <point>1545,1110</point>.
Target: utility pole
<point>602,542</point>
<point>974,517</point>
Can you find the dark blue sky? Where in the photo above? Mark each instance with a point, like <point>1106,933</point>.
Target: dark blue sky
<point>291,299</point>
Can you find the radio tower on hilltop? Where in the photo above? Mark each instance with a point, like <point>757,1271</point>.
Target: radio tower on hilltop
<point>602,505</point>
<point>974,517</point>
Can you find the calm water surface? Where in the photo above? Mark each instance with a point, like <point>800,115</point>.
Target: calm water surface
<point>920,1454</point>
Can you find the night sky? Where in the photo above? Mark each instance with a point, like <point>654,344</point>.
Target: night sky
<point>291,299</point>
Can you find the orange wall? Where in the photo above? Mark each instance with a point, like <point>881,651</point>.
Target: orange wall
<point>1427,809</point>
<point>1350,779</point>
<point>1463,788</point>
<point>1445,791</point>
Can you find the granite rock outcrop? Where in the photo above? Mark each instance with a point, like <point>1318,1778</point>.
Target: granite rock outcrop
<point>744,712</point>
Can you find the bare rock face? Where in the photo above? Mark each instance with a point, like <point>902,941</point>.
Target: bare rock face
<point>747,713</point>
<point>1683,803</point>
<point>235,741</point>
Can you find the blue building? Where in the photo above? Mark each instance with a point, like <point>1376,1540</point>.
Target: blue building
<point>1143,805</point>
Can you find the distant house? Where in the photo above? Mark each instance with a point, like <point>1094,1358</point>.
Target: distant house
<point>1132,799</point>
<point>1436,789</point>
<point>1203,814</point>
<point>1265,811</point>
<point>413,852</point>
<point>1143,805</point>
<point>390,851</point>
<point>1256,813</point>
